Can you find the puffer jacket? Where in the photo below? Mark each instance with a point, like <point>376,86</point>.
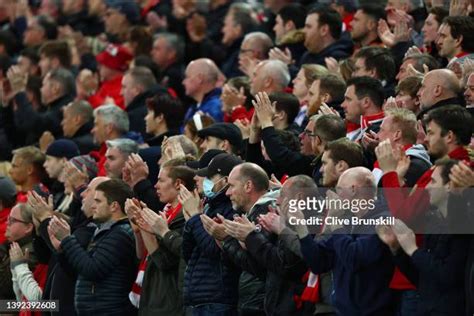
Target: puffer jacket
<point>106,270</point>
<point>208,279</point>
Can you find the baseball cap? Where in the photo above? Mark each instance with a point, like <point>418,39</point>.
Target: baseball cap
<point>205,159</point>
<point>221,164</point>
<point>7,189</point>
<point>115,57</point>
<point>225,131</point>
<point>63,148</point>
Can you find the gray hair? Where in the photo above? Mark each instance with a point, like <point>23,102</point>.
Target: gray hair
<point>174,42</point>
<point>124,145</point>
<point>278,71</point>
<point>142,77</point>
<point>112,114</point>
<point>189,147</point>
<point>81,108</point>
<point>65,78</point>
<point>259,41</point>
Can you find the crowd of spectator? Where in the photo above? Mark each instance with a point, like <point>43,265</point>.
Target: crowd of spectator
<point>152,153</point>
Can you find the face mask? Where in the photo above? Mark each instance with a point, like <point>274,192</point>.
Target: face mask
<point>207,186</point>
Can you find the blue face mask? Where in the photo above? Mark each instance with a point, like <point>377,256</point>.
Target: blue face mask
<point>207,186</point>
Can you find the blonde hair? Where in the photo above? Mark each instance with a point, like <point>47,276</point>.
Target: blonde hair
<point>405,120</point>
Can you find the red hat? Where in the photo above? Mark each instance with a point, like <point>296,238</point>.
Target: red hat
<point>115,57</point>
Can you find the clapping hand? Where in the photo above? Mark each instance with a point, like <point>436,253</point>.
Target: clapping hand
<point>239,228</point>
<point>60,228</point>
<point>215,228</point>
<point>405,236</point>
<point>17,255</point>
<point>264,109</point>
<point>42,209</point>
<point>284,56</point>
<point>191,202</point>
<point>157,222</point>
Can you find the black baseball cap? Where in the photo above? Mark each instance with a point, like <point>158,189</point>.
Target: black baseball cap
<point>221,164</point>
<point>205,159</point>
<point>225,131</point>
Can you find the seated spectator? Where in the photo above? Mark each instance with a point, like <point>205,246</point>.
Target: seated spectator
<point>269,76</point>
<point>322,30</point>
<point>200,83</point>
<point>376,63</point>
<point>160,237</point>
<point>430,29</point>
<point>28,60</point>
<point>168,54</point>
<point>400,127</point>
<point>138,84</point>
<point>195,124</point>
<point>289,24</point>
<point>424,265</point>
<point>54,55</point>
<point>439,88</point>
<point>119,16</point>
<point>469,93</point>
<point>301,85</point>
<point>57,155</point>
<point>364,25</point>
<point>39,30</point>
<point>57,91</point>
<point>118,151</point>
<point>77,124</point>
<point>109,267</point>
<point>19,233</point>
<point>417,61</point>
<point>112,62</point>
<point>200,251</point>
<point>27,170</point>
<point>237,100</point>
<point>223,136</point>
<point>329,90</point>
<point>339,156</point>
<point>362,106</point>
<point>455,38</point>
<point>407,94</point>
<point>254,48</point>
<point>76,15</point>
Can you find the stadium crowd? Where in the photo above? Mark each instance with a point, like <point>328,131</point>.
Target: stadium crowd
<point>152,153</point>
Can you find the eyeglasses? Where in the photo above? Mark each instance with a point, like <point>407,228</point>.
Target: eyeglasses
<point>13,220</point>
<point>308,133</point>
<point>244,51</point>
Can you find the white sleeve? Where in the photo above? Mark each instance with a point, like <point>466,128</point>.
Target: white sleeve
<point>16,287</point>
<point>27,284</point>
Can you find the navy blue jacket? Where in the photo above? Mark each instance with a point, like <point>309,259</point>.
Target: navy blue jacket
<point>208,279</point>
<point>210,105</point>
<point>362,268</point>
<point>106,270</point>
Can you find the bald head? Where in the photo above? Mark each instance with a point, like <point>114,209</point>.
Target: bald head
<point>270,76</point>
<point>201,77</point>
<point>438,85</point>
<point>359,178</point>
<point>205,67</point>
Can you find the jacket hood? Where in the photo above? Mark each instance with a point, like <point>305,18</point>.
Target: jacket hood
<point>292,37</point>
<point>418,151</point>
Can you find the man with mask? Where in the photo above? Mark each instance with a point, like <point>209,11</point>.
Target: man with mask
<point>209,284</point>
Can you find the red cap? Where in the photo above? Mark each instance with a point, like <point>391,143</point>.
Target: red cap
<point>115,57</point>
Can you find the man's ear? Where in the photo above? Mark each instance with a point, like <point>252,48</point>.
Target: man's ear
<point>177,183</point>
<point>55,63</point>
<point>397,135</point>
<point>326,97</point>
<point>324,30</point>
<point>341,166</point>
<point>458,41</point>
<point>30,169</point>
<point>450,138</point>
<point>290,26</point>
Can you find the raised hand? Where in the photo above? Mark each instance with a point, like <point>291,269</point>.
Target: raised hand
<point>284,56</point>
<point>215,228</point>
<point>405,236</point>
<point>42,209</point>
<point>271,222</point>
<point>157,222</point>
<point>191,202</point>
<point>60,228</point>
<point>386,157</point>
<point>239,228</point>
<point>75,177</point>
<point>264,109</point>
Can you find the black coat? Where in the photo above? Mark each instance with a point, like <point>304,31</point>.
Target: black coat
<point>84,139</point>
<point>106,270</point>
<point>284,272</point>
<point>34,123</point>
<point>208,279</point>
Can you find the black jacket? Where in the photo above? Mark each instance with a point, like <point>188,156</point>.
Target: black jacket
<point>283,159</point>
<point>208,279</point>
<point>440,104</point>
<point>84,139</point>
<point>106,270</point>
<point>137,110</point>
<point>34,123</point>
<point>340,49</point>
<point>162,292</point>
<point>437,269</point>
<point>88,25</point>
<point>284,270</point>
